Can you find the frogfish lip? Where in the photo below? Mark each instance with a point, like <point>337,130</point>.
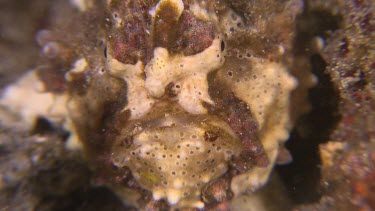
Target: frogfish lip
<point>176,152</point>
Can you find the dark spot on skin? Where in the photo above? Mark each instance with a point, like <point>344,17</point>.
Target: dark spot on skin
<point>170,90</point>
<point>127,142</point>
<point>222,46</point>
<point>210,136</point>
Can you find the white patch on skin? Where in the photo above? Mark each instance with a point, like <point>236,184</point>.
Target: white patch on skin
<point>189,71</point>
<point>191,203</point>
<point>73,142</point>
<point>78,67</point>
<point>157,194</point>
<point>199,205</point>
<point>139,103</point>
<point>193,92</point>
<point>82,5</point>
<point>177,183</point>
<point>199,12</point>
<point>173,196</point>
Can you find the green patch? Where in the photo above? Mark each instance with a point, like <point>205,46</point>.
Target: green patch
<point>149,179</point>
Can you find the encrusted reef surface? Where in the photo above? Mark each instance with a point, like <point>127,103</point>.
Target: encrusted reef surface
<point>348,162</point>
<point>183,104</point>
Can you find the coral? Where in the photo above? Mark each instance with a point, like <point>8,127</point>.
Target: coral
<point>37,167</point>
<point>349,56</point>
<point>40,103</point>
